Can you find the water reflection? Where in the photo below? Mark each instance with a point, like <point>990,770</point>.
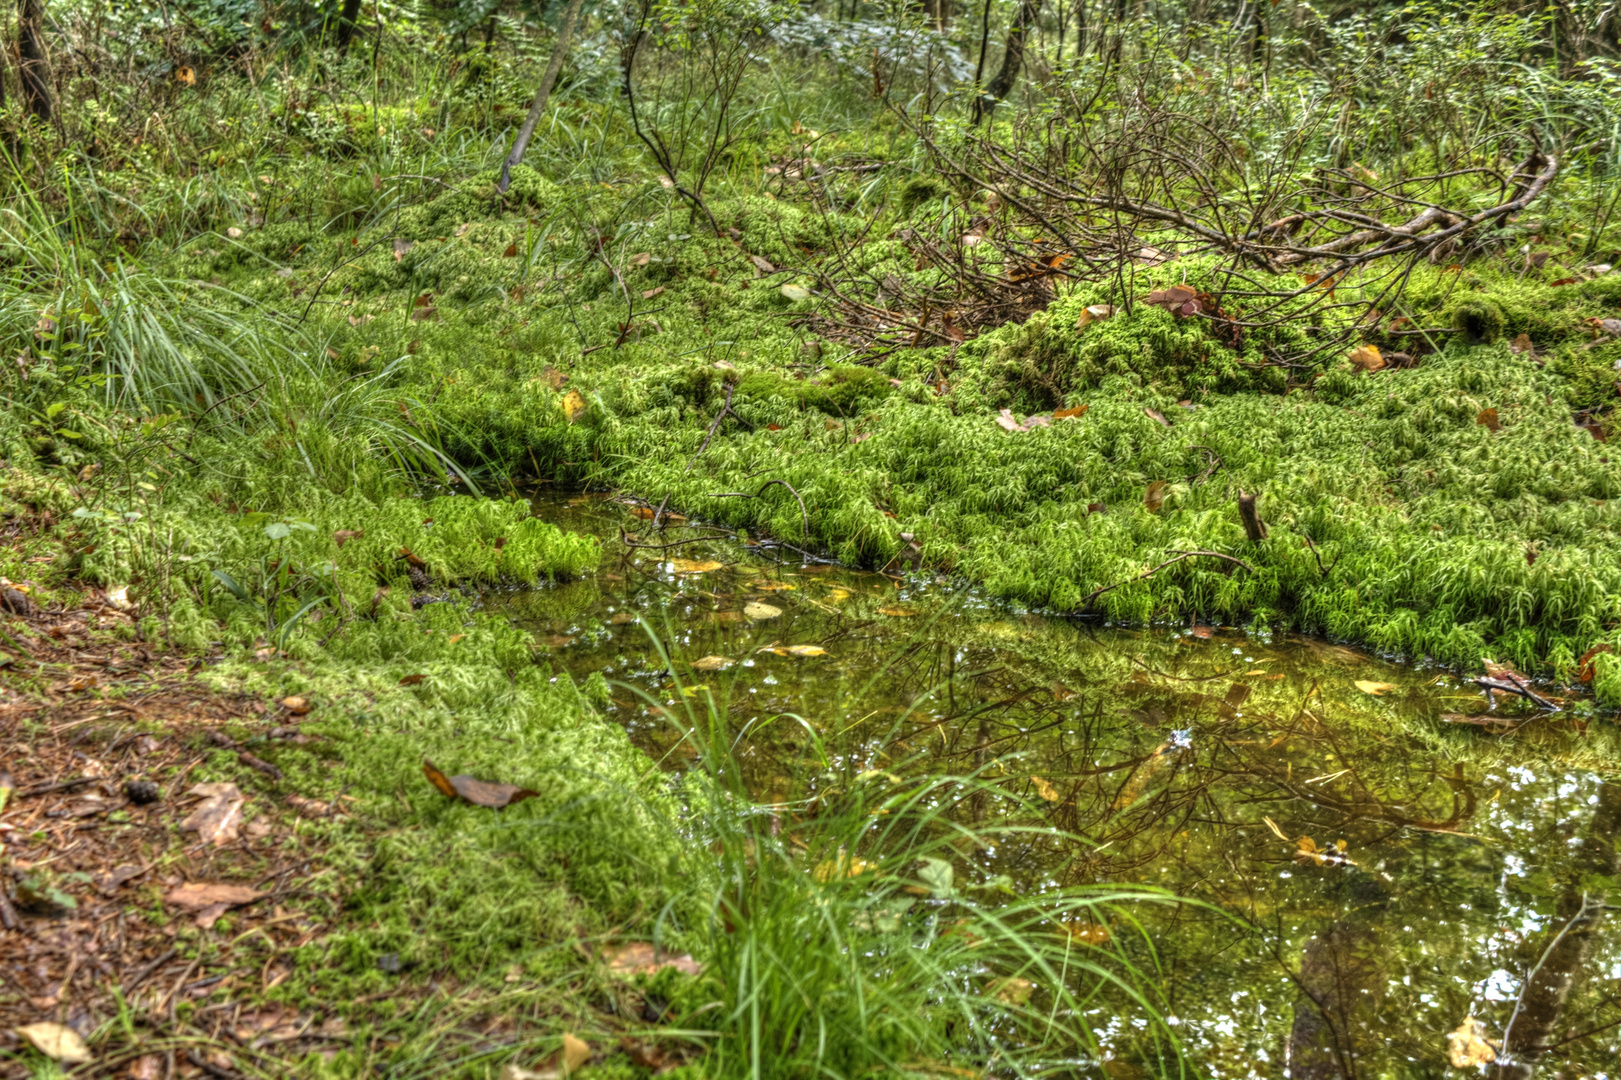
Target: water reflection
<point>1382,874</point>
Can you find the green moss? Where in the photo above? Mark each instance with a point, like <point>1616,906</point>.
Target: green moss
<point>838,389</point>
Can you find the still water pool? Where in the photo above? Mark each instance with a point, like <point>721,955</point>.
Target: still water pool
<point>1396,869</point>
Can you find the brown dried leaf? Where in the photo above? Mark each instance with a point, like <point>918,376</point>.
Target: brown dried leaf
<point>343,536</point>
<point>1155,414</point>
<point>1045,789</point>
<point>762,265</point>
<point>1175,298</point>
<point>713,663</point>
<point>648,294</point>
<point>1154,497</point>
<point>476,791</point>
<point>401,246</point>
<point>210,900</point>
<point>1521,346</point>
<point>412,680</point>
<point>511,252</point>
<point>1488,420</point>
<point>641,958</point>
<point>218,817</point>
<point>1070,414</point>
<point>1584,667</point>
<point>56,1041</point>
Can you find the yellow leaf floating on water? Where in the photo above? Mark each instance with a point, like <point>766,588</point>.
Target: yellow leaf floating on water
<point>713,663</point>
<point>1044,789</point>
<point>796,650</point>
<point>694,566</point>
<point>836,595</point>
<point>574,405</point>
<point>775,586</point>
<point>898,611</point>
<point>1377,689</point>
<point>842,867</point>
<point>1468,1047</point>
<point>756,610</point>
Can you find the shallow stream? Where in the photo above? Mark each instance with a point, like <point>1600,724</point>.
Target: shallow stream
<point>1390,854</point>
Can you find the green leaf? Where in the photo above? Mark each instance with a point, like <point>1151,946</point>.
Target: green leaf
<point>230,584</point>
<point>938,875</point>
<point>278,530</point>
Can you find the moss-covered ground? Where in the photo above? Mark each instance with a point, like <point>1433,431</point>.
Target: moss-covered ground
<point>307,498</point>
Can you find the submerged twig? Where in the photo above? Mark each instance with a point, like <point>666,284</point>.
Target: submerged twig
<point>629,540</point>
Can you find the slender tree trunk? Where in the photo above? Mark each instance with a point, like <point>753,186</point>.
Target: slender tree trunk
<point>347,19</point>
<point>537,108</point>
<point>1012,60</point>
<point>1536,1027</point>
<point>35,66</point>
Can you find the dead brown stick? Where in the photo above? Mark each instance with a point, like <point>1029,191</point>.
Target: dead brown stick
<point>1254,527</point>
<point>1180,555</point>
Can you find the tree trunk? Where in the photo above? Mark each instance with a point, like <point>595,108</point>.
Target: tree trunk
<point>1250,514</point>
<point>347,19</point>
<point>537,108</point>
<point>35,65</point>
<point>1012,60</point>
<point>1535,1028</point>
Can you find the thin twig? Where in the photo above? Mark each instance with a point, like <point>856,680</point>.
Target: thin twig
<point>745,495</point>
<point>1156,569</point>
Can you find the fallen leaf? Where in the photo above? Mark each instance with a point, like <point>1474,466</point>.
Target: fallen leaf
<point>1521,346</point>
<point>1154,497</point>
<point>1488,420</point>
<point>1366,358</point>
<point>1584,667</point>
<point>149,1067</point>
<point>641,258</point>
<point>1012,991</point>
<point>1096,508</point>
<point>412,680</point>
<point>762,265</point>
<point>343,536</point>
<point>554,378</point>
<point>1070,414</point>
<point>1468,1047</point>
<point>210,899</point>
<point>756,610</point>
<point>841,866</point>
<point>400,248</point>
<point>56,1041</point>
<point>1155,414</point>
<point>1093,314</point>
<point>648,294</point>
<point>801,650</point>
<point>217,817</point>
<point>796,292</point>
<point>234,233</point>
<point>713,663</point>
<point>478,792</point>
<point>642,958</point>
<point>694,566</point>
<point>1176,299</point>
<point>574,406</point>
<point>898,611</point>
<point>1377,689</point>
<point>185,76</point>
<point>1045,789</point>
<point>511,252</point>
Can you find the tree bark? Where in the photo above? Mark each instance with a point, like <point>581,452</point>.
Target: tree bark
<point>1535,1027</point>
<point>537,108</point>
<point>35,67</point>
<point>1254,527</point>
<point>347,19</point>
<point>1012,60</point>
